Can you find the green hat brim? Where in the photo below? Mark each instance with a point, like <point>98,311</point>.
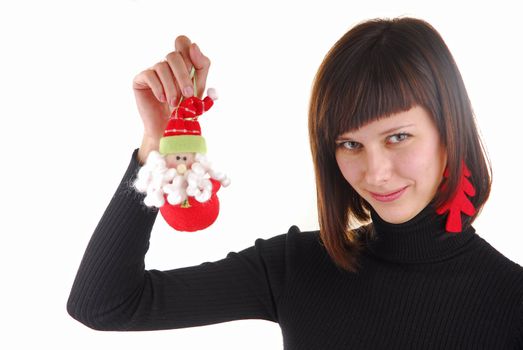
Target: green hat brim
<point>182,144</point>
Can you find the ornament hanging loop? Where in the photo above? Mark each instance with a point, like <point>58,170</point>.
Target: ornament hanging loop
<point>192,76</point>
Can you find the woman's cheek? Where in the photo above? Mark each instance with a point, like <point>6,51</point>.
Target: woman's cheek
<point>410,160</point>
<point>352,172</point>
<point>342,165</point>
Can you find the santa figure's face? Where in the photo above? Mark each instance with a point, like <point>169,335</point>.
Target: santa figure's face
<point>180,161</point>
<point>177,176</point>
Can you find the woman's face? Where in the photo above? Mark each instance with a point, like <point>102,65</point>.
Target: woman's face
<point>396,163</point>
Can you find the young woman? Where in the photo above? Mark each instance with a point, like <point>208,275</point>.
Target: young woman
<point>401,175</point>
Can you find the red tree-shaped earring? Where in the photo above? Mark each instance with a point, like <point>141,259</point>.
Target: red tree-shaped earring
<point>459,203</point>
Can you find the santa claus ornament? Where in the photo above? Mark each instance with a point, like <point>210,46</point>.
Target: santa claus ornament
<point>178,178</point>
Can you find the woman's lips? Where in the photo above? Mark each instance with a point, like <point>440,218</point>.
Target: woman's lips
<point>388,197</point>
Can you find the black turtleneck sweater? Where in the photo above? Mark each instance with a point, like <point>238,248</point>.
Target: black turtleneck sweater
<point>418,287</point>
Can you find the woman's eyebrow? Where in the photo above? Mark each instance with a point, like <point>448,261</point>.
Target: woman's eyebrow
<point>388,131</point>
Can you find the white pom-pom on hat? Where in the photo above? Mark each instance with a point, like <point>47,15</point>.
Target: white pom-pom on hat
<point>211,92</point>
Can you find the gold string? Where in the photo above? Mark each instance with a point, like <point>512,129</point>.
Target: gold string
<point>192,76</point>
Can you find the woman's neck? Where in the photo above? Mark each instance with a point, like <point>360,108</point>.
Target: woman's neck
<point>421,239</point>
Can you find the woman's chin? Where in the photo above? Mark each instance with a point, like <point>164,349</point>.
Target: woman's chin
<point>396,214</point>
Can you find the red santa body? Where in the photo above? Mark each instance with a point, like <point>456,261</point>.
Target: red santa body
<point>192,215</point>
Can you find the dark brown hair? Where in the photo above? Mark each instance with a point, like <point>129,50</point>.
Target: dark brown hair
<point>378,68</point>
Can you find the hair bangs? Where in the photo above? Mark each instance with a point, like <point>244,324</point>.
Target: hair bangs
<point>386,81</point>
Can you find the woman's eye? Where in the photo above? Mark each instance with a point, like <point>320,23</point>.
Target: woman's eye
<point>350,145</point>
<point>399,137</point>
<point>393,139</point>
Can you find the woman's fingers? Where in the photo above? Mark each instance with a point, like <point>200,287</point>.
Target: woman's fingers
<point>170,78</point>
<point>148,79</point>
<point>181,45</point>
<point>192,57</point>
<point>201,64</point>
<point>183,65</point>
<point>181,73</point>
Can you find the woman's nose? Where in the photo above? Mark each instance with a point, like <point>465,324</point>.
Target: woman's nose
<point>378,169</point>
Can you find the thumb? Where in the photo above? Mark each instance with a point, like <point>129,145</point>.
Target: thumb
<point>201,65</point>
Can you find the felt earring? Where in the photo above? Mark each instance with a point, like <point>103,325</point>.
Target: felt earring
<point>459,202</point>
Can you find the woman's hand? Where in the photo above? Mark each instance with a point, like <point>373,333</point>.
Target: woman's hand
<point>158,89</point>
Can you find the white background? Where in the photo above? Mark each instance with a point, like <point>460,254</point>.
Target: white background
<point>69,125</point>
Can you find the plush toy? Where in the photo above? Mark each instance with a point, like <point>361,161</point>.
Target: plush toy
<point>178,178</point>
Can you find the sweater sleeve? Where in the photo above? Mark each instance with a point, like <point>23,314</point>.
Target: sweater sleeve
<point>113,291</point>
<point>519,329</point>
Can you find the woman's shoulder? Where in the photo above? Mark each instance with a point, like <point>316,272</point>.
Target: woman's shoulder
<point>295,240</point>
<point>292,243</point>
<point>293,247</point>
<point>296,236</point>
<point>494,260</point>
<point>304,237</point>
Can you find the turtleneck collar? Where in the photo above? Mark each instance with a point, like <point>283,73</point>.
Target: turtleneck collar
<point>421,239</point>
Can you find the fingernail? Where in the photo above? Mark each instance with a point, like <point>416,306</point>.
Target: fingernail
<point>187,91</point>
<point>163,98</point>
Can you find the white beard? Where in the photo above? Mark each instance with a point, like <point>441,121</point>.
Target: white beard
<point>155,179</point>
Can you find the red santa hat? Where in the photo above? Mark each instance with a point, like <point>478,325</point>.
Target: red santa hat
<point>183,133</point>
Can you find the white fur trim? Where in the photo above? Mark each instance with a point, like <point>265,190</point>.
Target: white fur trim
<point>211,92</point>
